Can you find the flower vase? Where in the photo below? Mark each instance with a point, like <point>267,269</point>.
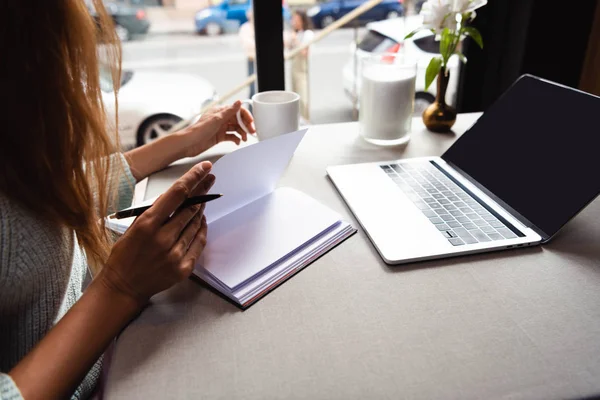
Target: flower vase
<point>439,116</point>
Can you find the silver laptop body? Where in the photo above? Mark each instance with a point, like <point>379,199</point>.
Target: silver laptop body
<point>401,231</point>
<point>514,179</point>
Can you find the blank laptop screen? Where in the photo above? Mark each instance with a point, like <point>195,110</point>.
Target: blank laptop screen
<point>537,149</point>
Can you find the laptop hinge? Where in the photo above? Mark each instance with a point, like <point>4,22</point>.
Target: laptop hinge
<point>545,237</point>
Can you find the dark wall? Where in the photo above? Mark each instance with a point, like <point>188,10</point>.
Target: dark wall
<point>544,38</point>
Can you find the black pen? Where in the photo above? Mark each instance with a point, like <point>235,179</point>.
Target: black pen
<point>136,212</point>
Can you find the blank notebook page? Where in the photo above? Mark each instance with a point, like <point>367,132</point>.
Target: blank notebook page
<point>245,242</point>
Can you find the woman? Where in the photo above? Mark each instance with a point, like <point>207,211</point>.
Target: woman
<point>60,173</point>
<point>301,35</point>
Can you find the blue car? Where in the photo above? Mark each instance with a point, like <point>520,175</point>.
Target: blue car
<point>226,17</point>
<point>327,12</point>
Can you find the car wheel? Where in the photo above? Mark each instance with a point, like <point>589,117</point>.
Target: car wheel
<point>156,127</point>
<point>122,33</point>
<point>422,101</point>
<point>327,20</point>
<point>392,15</point>
<point>213,29</point>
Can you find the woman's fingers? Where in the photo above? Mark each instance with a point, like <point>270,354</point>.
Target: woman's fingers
<point>238,129</point>
<point>230,137</point>
<point>170,201</point>
<point>204,186</point>
<point>229,112</point>
<point>177,224</point>
<point>195,248</point>
<point>248,120</point>
<point>188,235</point>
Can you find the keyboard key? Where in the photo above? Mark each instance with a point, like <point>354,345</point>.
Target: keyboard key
<point>471,215</point>
<point>396,167</point>
<point>456,242</point>
<point>447,193</point>
<point>442,227</point>
<point>430,213</point>
<point>461,232</point>
<point>455,213</point>
<point>481,223</point>
<point>482,211</point>
<point>449,207</point>
<point>435,205</point>
<point>453,198</point>
<point>437,196</point>
<point>447,217</point>
<point>477,234</point>
<point>433,191</point>
<point>495,236</point>
<point>436,220</point>
<point>454,224</point>
<point>441,211</point>
<point>465,210</point>
<point>429,200</point>
<point>496,224</point>
<point>427,186</point>
<point>463,220</point>
<point>507,233</point>
<point>460,204</point>
<point>488,229</point>
<point>450,234</point>
<point>470,226</point>
<point>488,217</point>
<point>468,239</point>
<point>443,201</point>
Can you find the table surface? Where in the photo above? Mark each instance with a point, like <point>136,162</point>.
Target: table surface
<point>514,324</point>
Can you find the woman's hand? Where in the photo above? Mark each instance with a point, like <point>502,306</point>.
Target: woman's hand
<point>217,125</point>
<point>158,251</point>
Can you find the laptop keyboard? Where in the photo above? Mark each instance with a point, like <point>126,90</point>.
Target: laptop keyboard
<point>457,215</point>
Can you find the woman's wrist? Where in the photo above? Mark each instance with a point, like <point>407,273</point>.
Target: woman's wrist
<point>157,155</point>
<point>115,297</point>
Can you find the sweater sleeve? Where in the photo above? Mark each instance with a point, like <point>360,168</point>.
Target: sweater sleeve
<point>8,389</point>
<point>121,176</point>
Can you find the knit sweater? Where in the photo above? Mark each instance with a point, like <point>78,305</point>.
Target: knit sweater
<point>42,270</point>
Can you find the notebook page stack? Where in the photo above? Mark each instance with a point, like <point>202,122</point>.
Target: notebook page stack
<point>259,236</point>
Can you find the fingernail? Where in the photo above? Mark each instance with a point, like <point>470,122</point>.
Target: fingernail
<point>205,166</point>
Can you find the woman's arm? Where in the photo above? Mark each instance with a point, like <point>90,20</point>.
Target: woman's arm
<point>214,126</point>
<point>62,359</point>
<point>154,254</point>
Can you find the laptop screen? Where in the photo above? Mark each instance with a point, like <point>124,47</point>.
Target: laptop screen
<point>536,149</point>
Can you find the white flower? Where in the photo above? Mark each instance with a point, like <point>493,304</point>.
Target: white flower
<point>438,14</point>
<point>465,6</point>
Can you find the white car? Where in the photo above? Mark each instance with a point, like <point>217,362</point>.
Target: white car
<point>150,103</point>
<point>388,36</point>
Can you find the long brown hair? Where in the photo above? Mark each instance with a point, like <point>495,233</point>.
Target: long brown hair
<point>54,143</point>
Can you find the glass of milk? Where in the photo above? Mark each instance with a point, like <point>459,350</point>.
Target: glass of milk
<point>387,98</point>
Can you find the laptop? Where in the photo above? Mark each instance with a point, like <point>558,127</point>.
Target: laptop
<point>514,179</point>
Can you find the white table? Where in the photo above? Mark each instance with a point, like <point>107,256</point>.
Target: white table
<point>514,324</point>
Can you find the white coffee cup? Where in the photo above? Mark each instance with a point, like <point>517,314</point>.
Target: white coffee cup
<point>275,113</point>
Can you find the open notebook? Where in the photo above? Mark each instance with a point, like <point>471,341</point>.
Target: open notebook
<point>259,236</point>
